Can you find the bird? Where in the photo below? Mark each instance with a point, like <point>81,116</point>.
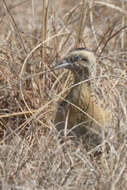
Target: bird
<point>80,110</point>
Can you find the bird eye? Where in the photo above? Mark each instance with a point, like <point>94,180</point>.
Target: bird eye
<point>77,58</point>
<point>73,59</point>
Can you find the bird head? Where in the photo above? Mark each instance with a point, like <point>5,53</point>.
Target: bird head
<point>80,61</point>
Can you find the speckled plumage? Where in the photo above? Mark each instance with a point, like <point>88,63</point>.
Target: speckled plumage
<point>80,104</point>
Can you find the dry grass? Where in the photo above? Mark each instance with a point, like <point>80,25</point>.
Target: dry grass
<point>32,153</point>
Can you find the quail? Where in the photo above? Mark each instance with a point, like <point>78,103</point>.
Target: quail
<point>79,106</point>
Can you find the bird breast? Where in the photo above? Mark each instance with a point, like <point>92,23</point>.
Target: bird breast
<point>90,105</point>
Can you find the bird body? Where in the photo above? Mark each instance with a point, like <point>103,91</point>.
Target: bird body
<point>83,108</point>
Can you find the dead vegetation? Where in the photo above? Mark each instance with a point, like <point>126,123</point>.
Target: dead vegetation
<point>32,153</point>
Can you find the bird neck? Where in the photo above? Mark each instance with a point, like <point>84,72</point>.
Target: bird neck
<point>80,74</point>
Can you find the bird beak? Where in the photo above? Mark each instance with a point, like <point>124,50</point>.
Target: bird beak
<point>62,64</point>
